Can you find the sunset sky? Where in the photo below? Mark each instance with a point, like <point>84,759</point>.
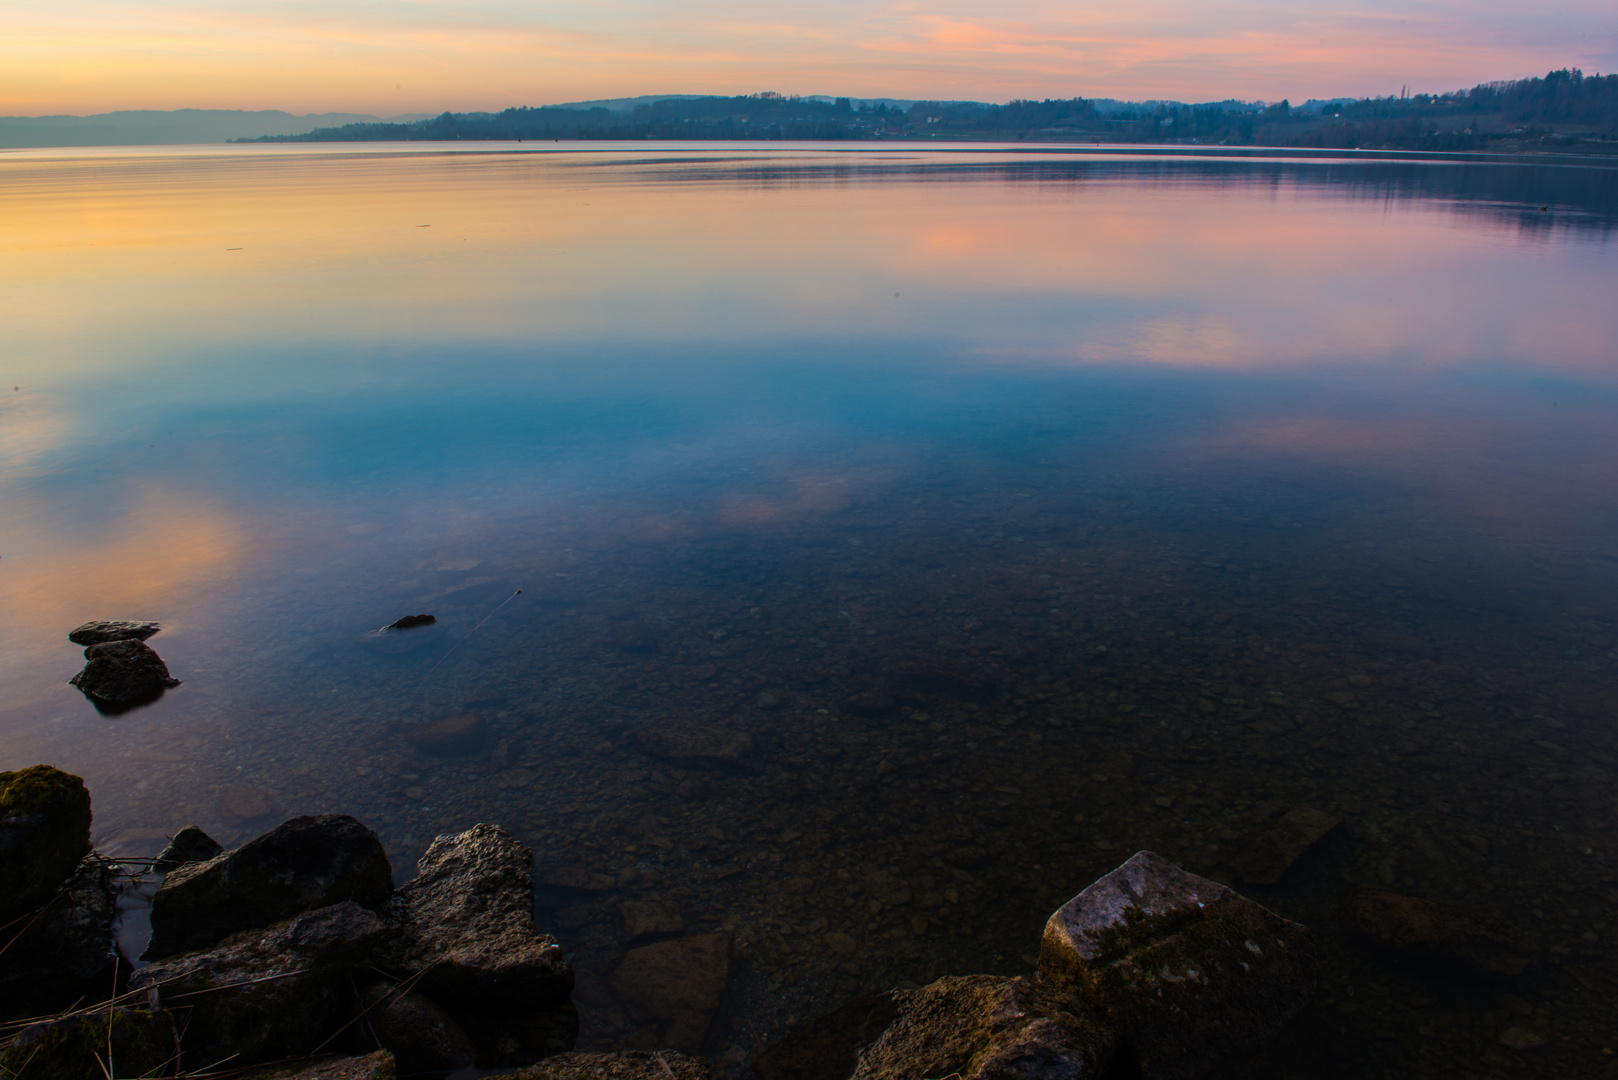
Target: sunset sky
<point>393,56</point>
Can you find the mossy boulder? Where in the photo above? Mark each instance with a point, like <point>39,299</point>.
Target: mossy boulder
<point>1192,974</point>
<point>78,1047</point>
<point>300,865</point>
<point>44,832</point>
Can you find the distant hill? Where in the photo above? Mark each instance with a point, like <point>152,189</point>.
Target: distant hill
<point>630,104</point>
<point>180,126</point>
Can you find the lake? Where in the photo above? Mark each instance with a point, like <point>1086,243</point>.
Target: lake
<point>904,538</point>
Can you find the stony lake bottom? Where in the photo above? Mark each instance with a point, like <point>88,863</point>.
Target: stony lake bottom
<point>1014,511</point>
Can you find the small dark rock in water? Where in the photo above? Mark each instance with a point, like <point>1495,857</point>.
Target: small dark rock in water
<point>465,924</point>
<point>94,633</point>
<point>1191,974</point>
<point>829,1048</point>
<point>986,1027</point>
<point>44,832</point>
<point>449,737</point>
<point>423,1037</point>
<point>120,675</point>
<point>303,864</point>
<point>189,845</point>
<point>265,993</point>
<point>410,622</point>
<point>66,954</point>
<point>76,1047</point>
<point>624,1065</point>
<point>1442,936</point>
<point>676,986</point>
<point>1269,858</point>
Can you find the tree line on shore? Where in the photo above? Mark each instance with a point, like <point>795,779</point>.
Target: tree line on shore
<point>1564,110</point>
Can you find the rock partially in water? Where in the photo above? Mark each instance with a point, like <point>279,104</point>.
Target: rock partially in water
<point>264,994</point>
<point>452,736</point>
<point>642,919</point>
<point>44,832</point>
<point>67,953</point>
<point>1442,936</point>
<point>94,633</point>
<point>120,675</point>
<point>691,741</point>
<point>985,1027</point>
<point>828,1048</point>
<point>375,1066</point>
<point>624,1065</point>
<point>189,845</point>
<point>675,987</point>
<point>410,622</point>
<point>300,865</point>
<point>1190,973</point>
<point>465,923</point>
<point>77,1047</point>
<point>423,1037</point>
<point>1272,856</point>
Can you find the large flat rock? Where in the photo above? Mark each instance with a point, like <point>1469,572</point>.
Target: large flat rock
<point>1190,973</point>
<point>98,632</point>
<point>264,994</point>
<point>986,1027</point>
<point>300,865</point>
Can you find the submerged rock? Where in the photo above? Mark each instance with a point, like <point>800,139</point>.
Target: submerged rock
<point>675,987</point>
<point>828,1048</point>
<point>300,865</point>
<point>1270,857</point>
<point>264,993</point>
<point>1189,972</point>
<point>119,675</point>
<point>625,1065</point>
<point>1432,934</point>
<point>465,924</point>
<point>985,1027</point>
<point>452,736</point>
<point>189,845</point>
<point>423,1037</point>
<point>77,1047</point>
<point>44,832</point>
<point>410,622</point>
<point>639,919</point>
<point>689,741</point>
<point>94,633</point>
<point>66,954</point>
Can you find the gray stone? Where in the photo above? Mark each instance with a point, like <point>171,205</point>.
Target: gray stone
<point>44,832</point>
<point>119,675</point>
<point>300,865</point>
<point>95,633</point>
<point>624,1065</point>
<point>263,994</point>
<point>985,1027</point>
<point>1431,934</point>
<point>189,845</point>
<point>465,924</point>
<point>1269,858</point>
<point>76,1047</point>
<point>66,954</point>
<point>423,1037</point>
<point>1190,973</point>
<point>675,987</point>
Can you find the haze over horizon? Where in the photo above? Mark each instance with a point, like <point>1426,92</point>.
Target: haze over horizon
<point>96,56</point>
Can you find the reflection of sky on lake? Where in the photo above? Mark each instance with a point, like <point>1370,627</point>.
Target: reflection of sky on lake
<point>225,362</point>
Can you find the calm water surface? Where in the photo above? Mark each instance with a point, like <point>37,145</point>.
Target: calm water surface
<point>1023,510</point>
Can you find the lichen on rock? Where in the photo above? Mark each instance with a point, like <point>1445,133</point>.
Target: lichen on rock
<point>44,832</point>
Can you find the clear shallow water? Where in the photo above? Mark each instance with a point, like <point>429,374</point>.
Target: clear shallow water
<point>999,498</point>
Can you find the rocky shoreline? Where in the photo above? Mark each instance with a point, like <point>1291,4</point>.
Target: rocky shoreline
<point>294,955</point>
